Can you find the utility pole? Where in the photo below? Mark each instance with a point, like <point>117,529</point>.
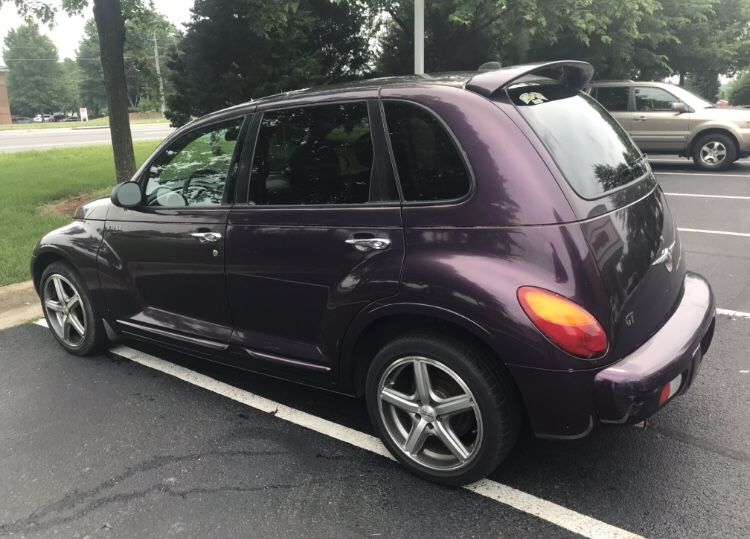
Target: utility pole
<point>419,37</point>
<point>158,74</point>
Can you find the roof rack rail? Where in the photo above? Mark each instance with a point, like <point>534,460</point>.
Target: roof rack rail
<point>574,73</point>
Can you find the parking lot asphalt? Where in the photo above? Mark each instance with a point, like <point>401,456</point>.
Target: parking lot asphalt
<point>106,447</point>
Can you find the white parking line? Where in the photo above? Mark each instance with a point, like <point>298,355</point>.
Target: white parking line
<point>699,195</point>
<point>718,232</point>
<point>551,512</point>
<point>687,173</point>
<point>734,314</point>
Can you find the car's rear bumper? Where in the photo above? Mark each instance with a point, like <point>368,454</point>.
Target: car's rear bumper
<point>629,391</point>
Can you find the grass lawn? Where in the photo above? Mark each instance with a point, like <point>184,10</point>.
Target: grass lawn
<point>98,122</point>
<point>31,181</point>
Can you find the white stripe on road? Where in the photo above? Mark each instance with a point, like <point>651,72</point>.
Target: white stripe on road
<point>719,232</point>
<point>715,175</point>
<point>698,195</point>
<point>551,512</point>
<point>734,314</point>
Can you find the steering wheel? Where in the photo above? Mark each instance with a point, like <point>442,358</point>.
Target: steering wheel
<point>164,196</point>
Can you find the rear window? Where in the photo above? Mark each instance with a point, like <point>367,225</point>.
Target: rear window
<point>591,149</point>
<point>613,98</point>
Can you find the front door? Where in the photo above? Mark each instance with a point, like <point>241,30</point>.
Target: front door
<point>655,127</point>
<point>162,265</point>
<point>320,239</point>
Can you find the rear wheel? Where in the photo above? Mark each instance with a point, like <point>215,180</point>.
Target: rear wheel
<point>440,409</point>
<point>69,311</point>
<point>714,152</point>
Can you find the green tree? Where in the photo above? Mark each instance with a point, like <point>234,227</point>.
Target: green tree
<point>35,76</point>
<point>110,16</point>
<point>739,93</point>
<point>91,86</point>
<point>461,34</point>
<point>234,50</point>
<point>140,68</point>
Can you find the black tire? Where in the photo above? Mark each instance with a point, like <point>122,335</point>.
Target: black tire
<point>720,141</point>
<point>494,396</point>
<point>95,339</point>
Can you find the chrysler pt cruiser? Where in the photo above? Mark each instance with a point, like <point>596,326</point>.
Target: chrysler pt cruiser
<point>468,252</point>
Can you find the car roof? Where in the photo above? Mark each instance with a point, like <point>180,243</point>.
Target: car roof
<point>486,83</point>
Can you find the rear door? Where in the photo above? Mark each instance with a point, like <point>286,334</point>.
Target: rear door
<point>319,238</point>
<point>655,126</point>
<point>162,266</point>
<point>616,99</point>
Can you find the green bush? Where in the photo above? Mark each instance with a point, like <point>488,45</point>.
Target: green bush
<point>739,93</point>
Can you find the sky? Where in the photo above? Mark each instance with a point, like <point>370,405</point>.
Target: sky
<point>68,31</point>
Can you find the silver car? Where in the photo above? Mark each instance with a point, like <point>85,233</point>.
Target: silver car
<point>663,118</point>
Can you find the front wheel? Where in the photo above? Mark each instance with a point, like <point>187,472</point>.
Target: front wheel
<point>440,409</point>
<point>714,152</point>
<point>69,311</point>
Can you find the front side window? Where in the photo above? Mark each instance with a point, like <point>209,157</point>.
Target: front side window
<point>653,100</point>
<point>591,149</point>
<point>429,165</point>
<point>193,170</point>
<point>313,155</point>
<point>614,99</point>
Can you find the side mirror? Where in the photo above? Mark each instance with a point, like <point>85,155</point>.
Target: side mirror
<point>126,195</point>
<point>679,107</point>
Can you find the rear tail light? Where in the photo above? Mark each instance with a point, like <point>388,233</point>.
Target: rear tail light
<point>566,324</point>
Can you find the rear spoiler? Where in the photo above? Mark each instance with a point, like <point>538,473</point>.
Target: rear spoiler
<point>574,73</point>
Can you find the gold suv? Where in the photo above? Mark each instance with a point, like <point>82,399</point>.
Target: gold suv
<point>663,118</point>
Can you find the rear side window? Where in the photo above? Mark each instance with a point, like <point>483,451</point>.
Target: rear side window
<point>614,99</point>
<point>591,149</point>
<point>313,155</point>
<point>429,165</point>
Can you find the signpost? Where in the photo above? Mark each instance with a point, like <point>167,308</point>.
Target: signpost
<point>419,37</point>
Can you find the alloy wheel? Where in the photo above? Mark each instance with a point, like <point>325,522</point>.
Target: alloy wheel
<point>64,309</point>
<point>713,153</point>
<point>430,413</point>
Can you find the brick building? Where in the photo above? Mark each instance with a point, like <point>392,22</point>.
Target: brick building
<point>5,117</point>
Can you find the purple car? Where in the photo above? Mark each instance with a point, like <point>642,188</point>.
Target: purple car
<point>468,252</point>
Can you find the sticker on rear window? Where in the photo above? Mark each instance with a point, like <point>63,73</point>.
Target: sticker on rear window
<point>533,98</point>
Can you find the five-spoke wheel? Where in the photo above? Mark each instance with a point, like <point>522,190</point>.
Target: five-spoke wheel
<point>440,405</point>
<point>64,310</point>
<point>714,151</point>
<point>430,412</point>
<point>69,311</point>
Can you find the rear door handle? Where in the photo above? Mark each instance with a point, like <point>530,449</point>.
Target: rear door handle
<point>369,244</point>
<point>641,118</point>
<point>206,237</point>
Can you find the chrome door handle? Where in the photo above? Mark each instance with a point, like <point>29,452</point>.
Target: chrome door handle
<point>369,244</point>
<point>206,237</point>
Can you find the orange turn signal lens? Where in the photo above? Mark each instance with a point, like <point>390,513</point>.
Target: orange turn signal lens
<point>565,323</point>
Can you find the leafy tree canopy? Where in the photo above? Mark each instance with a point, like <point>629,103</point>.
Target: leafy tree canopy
<point>235,50</point>
<point>35,77</point>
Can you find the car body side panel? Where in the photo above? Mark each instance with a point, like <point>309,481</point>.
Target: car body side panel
<point>78,244</point>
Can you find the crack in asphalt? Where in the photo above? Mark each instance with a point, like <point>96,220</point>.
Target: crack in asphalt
<point>702,443</point>
<point>75,498</point>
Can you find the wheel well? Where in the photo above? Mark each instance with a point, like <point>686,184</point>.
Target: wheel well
<point>42,261</point>
<point>379,332</point>
<point>713,131</point>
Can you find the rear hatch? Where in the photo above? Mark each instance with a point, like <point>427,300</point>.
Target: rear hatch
<point>622,210</point>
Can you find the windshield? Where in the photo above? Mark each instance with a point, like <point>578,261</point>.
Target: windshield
<point>591,149</point>
<point>694,101</point>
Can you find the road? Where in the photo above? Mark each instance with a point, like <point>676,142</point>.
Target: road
<point>120,446</point>
<point>45,139</point>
